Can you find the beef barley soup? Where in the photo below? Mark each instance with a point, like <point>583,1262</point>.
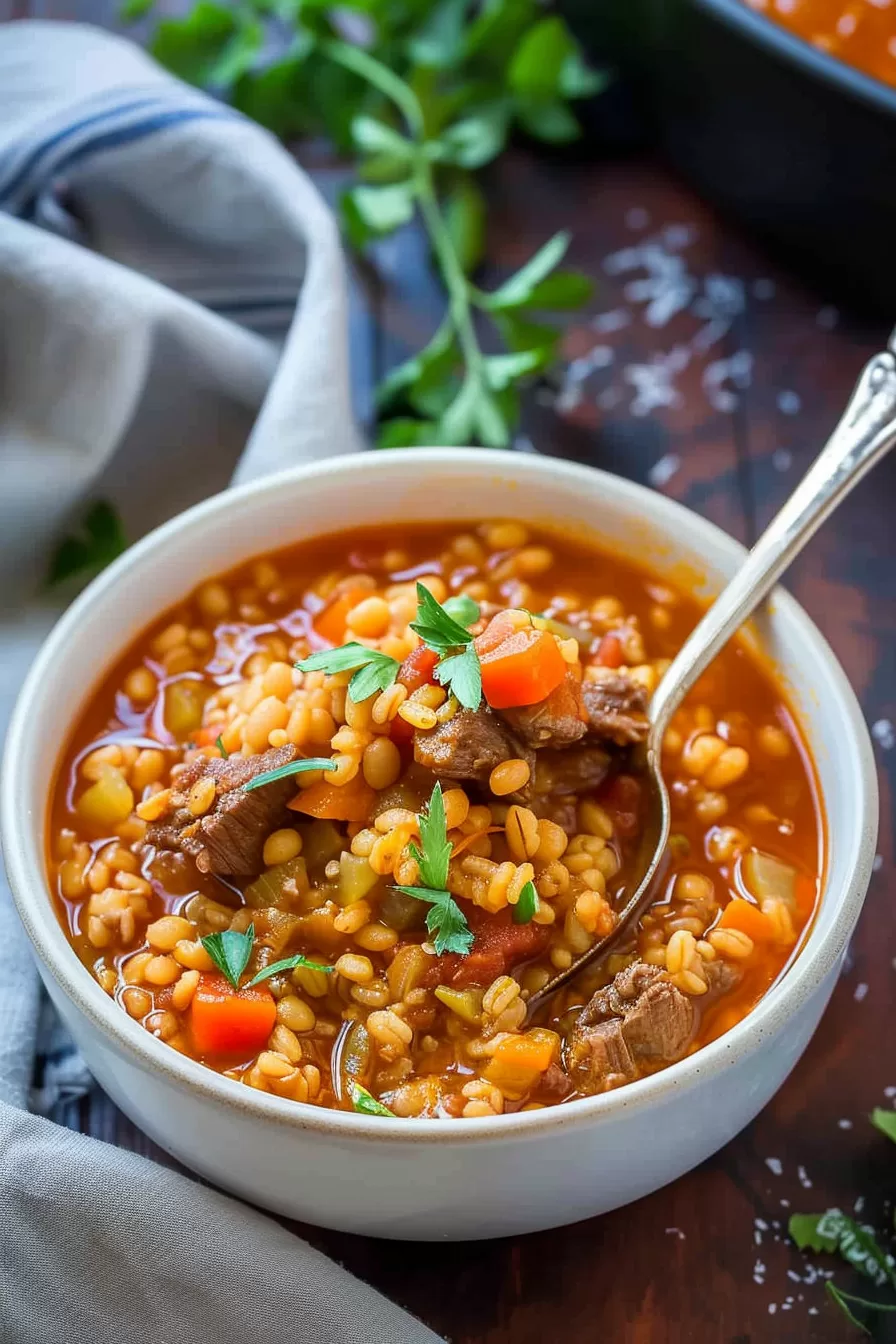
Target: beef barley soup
<point>331,821</point>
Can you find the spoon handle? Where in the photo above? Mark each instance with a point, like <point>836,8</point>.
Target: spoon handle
<point>865,432</point>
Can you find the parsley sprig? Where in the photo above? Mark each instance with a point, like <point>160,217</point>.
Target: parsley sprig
<point>430,95</point>
<point>231,950</point>
<point>375,671</point>
<point>458,668</point>
<point>445,920</point>
<point>836,1233</point>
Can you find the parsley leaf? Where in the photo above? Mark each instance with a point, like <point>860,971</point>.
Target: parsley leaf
<point>230,951</point>
<point>444,920</point>
<point>885,1121</point>
<point>436,853</point>
<point>288,964</point>
<point>461,674</point>
<point>364,1102</point>
<point>100,540</point>
<point>376,671</point>
<point>834,1231</point>
<point>294,768</point>
<point>527,905</point>
<point>437,627</point>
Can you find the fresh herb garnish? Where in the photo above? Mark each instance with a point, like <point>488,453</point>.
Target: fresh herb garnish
<point>376,671</point>
<point>836,1233</point>
<point>294,768</point>
<point>444,920</point>
<point>364,1102</point>
<point>431,94</point>
<point>458,667</point>
<point>100,541</point>
<point>527,905</point>
<point>288,964</point>
<point>219,743</point>
<point>230,951</point>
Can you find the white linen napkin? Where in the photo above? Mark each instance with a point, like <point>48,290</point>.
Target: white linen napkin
<point>172,314</point>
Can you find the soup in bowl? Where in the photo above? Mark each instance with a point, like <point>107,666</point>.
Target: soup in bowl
<point>329,812</point>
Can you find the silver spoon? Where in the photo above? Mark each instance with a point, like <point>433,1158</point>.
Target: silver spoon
<point>865,432</point>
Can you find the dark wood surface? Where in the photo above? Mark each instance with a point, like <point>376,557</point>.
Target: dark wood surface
<point>728,432</point>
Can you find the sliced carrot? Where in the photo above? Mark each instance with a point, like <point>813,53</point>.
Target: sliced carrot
<point>336,802</point>
<point>330,622</point>
<point>747,918</point>
<point>609,651</point>
<point>523,669</point>
<point>417,668</point>
<point>225,1021</point>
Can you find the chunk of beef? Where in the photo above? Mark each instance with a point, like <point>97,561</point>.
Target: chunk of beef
<point>576,769</point>
<point>557,721</point>
<point>616,707</point>
<point>469,746</point>
<point>637,1023</point>
<point>230,837</point>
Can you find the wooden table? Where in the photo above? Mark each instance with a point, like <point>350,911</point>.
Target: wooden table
<point>703,371</point>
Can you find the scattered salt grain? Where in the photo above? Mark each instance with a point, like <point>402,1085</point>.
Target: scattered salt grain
<point>675,1232</point>
<point>661,472</point>
<point>614,320</point>
<point>761,1224</point>
<point>759,1272</point>
<point>884,734</point>
<point>774,1165</point>
<point>782,459</point>
<point>789,403</point>
<point>813,1311</point>
<point>859,1204</point>
<point>654,382</point>
<point>792,1274</point>
<point>785,1203</point>
<point>844,1124</point>
<point>860,992</point>
<point>878,863</point>
<point>636,218</point>
<point>772,1308</point>
<point>737,370</point>
<point>804,1179</point>
<point>890,1091</point>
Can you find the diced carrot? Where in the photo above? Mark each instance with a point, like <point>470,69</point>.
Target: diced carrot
<point>417,668</point>
<point>330,622</point>
<point>609,651</point>
<point>336,802</point>
<point>206,737</point>
<point>225,1021</point>
<point>522,670</point>
<point>533,1051</point>
<point>500,627</point>
<point>747,918</point>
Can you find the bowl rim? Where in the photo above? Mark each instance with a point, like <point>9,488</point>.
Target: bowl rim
<point>817,958</point>
<point>799,51</point>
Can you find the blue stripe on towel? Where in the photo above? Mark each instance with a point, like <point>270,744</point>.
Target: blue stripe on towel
<point>21,192</point>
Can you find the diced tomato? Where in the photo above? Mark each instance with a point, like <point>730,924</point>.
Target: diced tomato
<point>623,798</point>
<point>336,802</point>
<point>522,668</point>
<point>225,1021</point>
<point>609,651</point>
<point>498,946</point>
<point>417,669</point>
<point>329,623</point>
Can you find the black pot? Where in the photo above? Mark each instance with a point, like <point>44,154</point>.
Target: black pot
<point>797,145</point>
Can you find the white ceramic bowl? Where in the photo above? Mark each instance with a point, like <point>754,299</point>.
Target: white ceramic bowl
<point>437,1178</point>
